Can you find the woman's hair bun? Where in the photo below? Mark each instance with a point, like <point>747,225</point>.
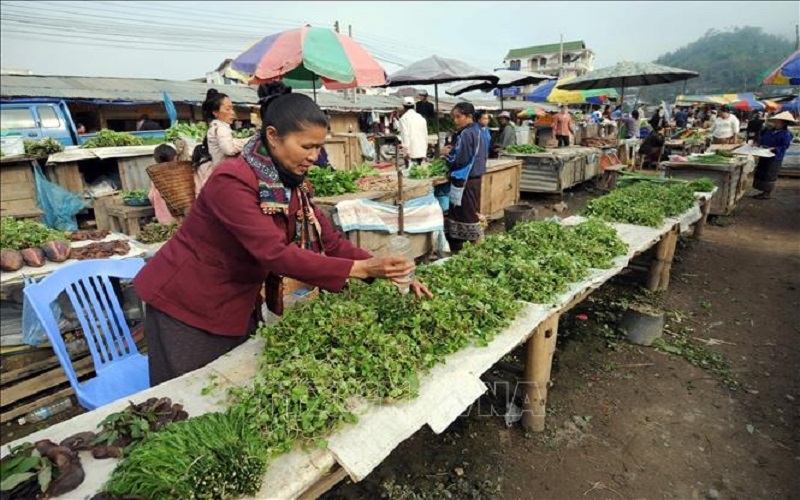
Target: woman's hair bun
<point>211,93</point>
<point>272,89</point>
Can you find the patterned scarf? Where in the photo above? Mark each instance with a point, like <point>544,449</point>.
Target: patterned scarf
<point>276,198</point>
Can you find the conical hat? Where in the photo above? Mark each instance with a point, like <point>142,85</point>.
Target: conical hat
<point>785,116</point>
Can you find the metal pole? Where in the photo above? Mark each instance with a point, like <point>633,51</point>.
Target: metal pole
<point>501,99</point>
<point>314,86</point>
<point>436,98</point>
<point>561,58</point>
<point>399,189</point>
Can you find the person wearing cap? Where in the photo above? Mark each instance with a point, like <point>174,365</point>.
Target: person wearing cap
<point>507,135</point>
<point>425,107</point>
<point>725,129</point>
<point>413,133</point>
<point>777,138</point>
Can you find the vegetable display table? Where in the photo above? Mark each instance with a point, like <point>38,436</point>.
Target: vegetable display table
<point>444,392</point>
<point>733,179</point>
<point>557,169</point>
<point>499,187</point>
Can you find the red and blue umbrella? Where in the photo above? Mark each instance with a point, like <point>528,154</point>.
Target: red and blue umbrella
<point>308,57</point>
<point>787,73</point>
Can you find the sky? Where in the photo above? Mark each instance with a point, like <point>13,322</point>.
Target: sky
<point>184,40</point>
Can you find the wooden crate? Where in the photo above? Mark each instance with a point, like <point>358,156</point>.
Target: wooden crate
<point>732,180</point>
<point>67,175</point>
<point>18,191</point>
<point>500,187</point>
<point>344,151</point>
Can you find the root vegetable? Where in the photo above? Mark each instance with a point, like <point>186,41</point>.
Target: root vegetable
<point>56,251</point>
<point>11,260</point>
<point>33,257</point>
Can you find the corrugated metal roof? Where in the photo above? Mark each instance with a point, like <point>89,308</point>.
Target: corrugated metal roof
<point>546,49</point>
<point>149,90</point>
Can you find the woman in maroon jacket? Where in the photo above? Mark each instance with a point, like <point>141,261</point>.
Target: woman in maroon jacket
<point>253,222</point>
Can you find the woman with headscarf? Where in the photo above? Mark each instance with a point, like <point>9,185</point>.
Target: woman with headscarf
<point>220,143</point>
<point>254,223</point>
<point>777,138</point>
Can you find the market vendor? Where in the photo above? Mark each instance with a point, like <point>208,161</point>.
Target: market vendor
<point>254,221</point>
<point>777,138</point>
<point>507,136</point>
<point>725,129</point>
<point>466,163</point>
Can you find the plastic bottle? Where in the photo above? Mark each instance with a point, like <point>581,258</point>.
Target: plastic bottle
<point>400,245</point>
<point>46,412</point>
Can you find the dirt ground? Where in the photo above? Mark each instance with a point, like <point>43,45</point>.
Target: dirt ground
<point>712,414</point>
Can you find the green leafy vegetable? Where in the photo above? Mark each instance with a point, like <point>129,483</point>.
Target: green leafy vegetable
<point>134,194</point>
<point>19,234</point>
<point>42,147</point>
<point>196,131</point>
<point>526,149</point>
<point>156,233</point>
<point>329,182</point>
<point>643,203</point>
<point>436,168</point>
<point>108,138</point>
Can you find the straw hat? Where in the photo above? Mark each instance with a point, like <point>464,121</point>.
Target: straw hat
<point>785,116</point>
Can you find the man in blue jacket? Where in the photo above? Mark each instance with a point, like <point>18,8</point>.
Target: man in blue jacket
<point>466,163</point>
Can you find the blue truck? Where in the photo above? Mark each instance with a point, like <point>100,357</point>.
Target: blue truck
<point>40,120</point>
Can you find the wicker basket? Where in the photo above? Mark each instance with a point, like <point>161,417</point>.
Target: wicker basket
<point>175,181</point>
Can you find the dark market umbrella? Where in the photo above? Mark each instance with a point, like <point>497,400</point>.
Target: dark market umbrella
<point>629,74</point>
<point>506,78</point>
<point>435,70</point>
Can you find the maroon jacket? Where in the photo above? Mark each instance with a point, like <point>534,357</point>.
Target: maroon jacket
<point>209,274</point>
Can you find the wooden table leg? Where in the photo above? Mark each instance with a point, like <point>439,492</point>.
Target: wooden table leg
<point>658,277</point>
<point>133,227</point>
<point>700,226</point>
<point>539,361</point>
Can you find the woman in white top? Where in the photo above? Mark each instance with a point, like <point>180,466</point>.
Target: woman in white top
<point>725,129</point>
<point>218,110</point>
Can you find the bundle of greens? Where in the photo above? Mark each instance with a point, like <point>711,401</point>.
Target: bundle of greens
<point>329,182</point>
<point>156,232</point>
<point>525,149</point>
<point>42,147</point>
<point>716,158</point>
<point>196,131</point>
<point>643,203</point>
<point>436,168</point>
<point>108,138</point>
<point>216,455</point>
<point>20,234</point>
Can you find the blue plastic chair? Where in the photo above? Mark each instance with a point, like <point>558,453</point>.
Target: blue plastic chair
<point>121,369</point>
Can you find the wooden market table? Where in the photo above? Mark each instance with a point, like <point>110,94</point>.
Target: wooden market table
<point>376,242</point>
<point>733,179</point>
<point>499,186</point>
<point>556,169</point>
<point>444,392</point>
<point>126,219</point>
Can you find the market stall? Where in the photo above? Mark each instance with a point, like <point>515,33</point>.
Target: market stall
<point>444,391</point>
<point>733,176</point>
<point>499,186</point>
<point>556,169</point>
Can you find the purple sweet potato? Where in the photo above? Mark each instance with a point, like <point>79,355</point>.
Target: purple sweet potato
<point>56,251</point>
<point>11,260</point>
<point>33,257</point>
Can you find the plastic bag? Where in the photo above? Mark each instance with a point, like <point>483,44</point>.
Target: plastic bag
<point>33,332</point>
<point>367,149</point>
<point>58,204</point>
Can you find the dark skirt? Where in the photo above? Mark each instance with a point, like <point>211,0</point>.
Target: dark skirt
<point>175,348</point>
<point>462,223</point>
<point>766,174</point>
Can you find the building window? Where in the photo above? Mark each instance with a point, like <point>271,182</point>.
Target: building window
<point>515,64</point>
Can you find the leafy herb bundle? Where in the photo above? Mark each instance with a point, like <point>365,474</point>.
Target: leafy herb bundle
<point>643,203</point>
<point>20,234</point>
<point>436,168</point>
<point>329,182</point>
<point>42,147</point>
<point>109,138</point>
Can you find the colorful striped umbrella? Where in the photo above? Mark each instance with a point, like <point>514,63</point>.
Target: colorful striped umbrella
<point>308,57</point>
<point>787,73</point>
<point>548,92</point>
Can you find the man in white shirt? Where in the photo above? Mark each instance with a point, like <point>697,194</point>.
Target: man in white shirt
<point>725,129</point>
<point>413,133</point>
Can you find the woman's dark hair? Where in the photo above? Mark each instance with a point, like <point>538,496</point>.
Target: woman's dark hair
<point>164,153</point>
<point>287,112</point>
<point>479,114</point>
<point>212,103</point>
<point>635,114</point>
<point>465,108</point>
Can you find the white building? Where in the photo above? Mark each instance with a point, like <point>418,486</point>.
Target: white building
<point>576,60</point>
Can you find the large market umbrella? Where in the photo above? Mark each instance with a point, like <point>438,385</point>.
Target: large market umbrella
<point>549,91</point>
<point>506,78</point>
<point>308,57</point>
<point>747,102</point>
<point>629,74</point>
<point>787,73</point>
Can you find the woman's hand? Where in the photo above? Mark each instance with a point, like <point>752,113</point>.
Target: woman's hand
<point>392,266</point>
<point>420,289</point>
<point>446,150</point>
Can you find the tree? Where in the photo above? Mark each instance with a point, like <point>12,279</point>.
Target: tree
<point>729,61</point>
